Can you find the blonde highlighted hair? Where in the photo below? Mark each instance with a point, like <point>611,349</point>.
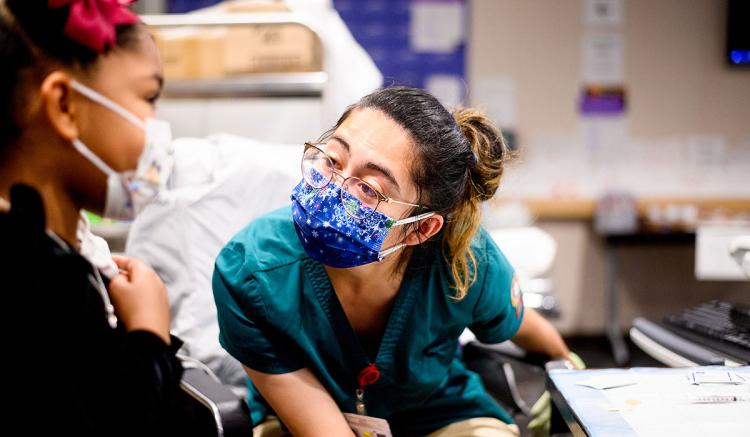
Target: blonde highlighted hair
<point>490,154</point>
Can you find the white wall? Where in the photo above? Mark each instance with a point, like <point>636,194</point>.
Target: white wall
<point>678,87</point>
<point>679,90</point>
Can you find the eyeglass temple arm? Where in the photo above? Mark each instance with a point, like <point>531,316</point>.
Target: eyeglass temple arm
<point>416,218</point>
<point>389,200</point>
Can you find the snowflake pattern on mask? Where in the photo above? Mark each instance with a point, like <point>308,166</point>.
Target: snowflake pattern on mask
<point>332,236</point>
<point>325,205</point>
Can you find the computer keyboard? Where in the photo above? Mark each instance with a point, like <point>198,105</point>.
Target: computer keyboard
<point>719,325</point>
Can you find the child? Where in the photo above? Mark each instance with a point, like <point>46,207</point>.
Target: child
<point>86,354</point>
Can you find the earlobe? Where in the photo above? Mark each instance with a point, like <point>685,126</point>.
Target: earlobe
<point>57,105</point>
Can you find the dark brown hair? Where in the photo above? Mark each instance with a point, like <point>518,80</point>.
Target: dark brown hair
<point>460,158</point>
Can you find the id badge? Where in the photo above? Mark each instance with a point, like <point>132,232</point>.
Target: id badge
<point>366,426</point>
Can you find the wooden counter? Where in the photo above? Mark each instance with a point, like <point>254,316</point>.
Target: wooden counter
<point>583,209</point>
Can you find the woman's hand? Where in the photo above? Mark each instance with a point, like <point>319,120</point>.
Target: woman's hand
<point>302,403</point>
<point>140,298</point>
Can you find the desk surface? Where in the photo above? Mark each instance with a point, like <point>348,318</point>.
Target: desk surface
<point>657,405</point>
<point>584,209</point>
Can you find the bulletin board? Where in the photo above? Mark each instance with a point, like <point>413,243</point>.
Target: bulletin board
<point>184,6</point>
<point>418,43</point>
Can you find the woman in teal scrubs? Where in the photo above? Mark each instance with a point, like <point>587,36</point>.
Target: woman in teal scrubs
<point>352,299</point>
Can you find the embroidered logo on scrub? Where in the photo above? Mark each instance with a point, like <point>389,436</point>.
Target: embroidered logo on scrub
<point>516,296</point>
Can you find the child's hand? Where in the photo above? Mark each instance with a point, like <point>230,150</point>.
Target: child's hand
<point>140,298</point>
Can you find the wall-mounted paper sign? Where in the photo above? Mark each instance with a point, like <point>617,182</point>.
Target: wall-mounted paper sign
<point>449,89</point>
<point>604,12</point>
<point>436,26</point>
<point>602,100</point>
<point>706,152</point>
<point>496,95</point>
<point>603,58</point>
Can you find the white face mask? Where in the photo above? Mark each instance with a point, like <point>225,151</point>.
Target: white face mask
<point>129,192</point>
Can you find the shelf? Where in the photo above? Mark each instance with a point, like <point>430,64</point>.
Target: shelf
<point>251,85</point>
<point>584,209</point>
<point>273,84</point>
<point>221,19</point>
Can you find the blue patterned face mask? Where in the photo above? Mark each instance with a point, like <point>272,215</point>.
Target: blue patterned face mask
<point>332,236</point>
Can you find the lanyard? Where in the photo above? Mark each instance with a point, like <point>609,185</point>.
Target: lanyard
<point>367,376</point>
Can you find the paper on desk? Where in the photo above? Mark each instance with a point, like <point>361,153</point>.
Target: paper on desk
<point>666,405</point>
<point>605,382</point>
<point>698,377</point>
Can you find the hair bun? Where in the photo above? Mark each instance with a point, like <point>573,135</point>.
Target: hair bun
<point>489,150</point>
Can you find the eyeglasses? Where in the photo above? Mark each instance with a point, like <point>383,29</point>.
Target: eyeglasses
<point>318,171</point>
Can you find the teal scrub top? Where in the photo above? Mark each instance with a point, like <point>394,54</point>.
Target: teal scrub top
<point>279,313</point>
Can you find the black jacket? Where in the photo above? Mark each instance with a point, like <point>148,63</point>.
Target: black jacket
<point>66,371</point>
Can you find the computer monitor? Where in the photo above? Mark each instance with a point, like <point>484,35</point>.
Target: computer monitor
<point>738,33</point>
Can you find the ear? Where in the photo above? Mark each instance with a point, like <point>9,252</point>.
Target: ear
<point>57,103</point>
<point>425,230</point>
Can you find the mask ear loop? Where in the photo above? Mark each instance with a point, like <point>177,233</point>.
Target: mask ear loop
<point>85,151</point>
<point>413,219</point>
<point>405,221</point>
<point>387,252</point>
<point>112,106</point>
<point>107,103</point>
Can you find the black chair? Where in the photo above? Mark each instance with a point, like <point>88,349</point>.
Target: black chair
<point>209,408</point>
